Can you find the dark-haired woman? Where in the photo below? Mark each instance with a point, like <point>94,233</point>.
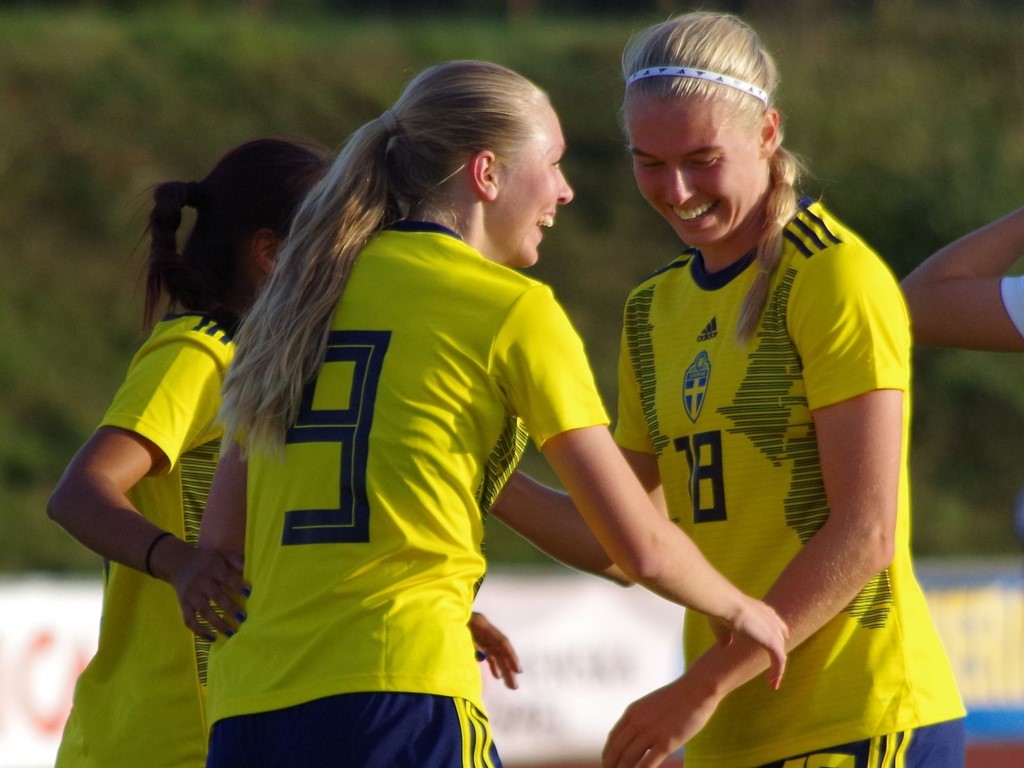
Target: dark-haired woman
<point>135,491</point>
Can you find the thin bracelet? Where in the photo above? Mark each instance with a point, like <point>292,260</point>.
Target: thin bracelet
<point>152,546</point>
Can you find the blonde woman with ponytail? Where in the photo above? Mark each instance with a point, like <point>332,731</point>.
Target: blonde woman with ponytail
<point>765,395</point>
<point>384,387</point>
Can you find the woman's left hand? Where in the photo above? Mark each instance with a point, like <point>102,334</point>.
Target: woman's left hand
<point>210,589</point>
<point>492,645</point>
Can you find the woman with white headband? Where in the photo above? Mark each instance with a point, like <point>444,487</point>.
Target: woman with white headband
<point>764,395</point>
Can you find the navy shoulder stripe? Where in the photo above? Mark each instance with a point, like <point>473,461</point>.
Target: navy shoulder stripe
<point>681,261</point>
<point>809,233</point>
<point>204,324</point>
<point>818,223</point>
<point>212,328</point>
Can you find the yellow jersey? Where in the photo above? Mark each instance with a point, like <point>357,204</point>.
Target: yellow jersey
<point>364,544</point>
<point>140,701</point>
<point>734,437</point>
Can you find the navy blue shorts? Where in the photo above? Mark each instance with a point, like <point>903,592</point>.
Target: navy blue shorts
<point>358,730</point>
<point>934,746</point>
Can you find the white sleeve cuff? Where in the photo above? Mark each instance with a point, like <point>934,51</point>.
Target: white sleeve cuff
<point>1012,289</point>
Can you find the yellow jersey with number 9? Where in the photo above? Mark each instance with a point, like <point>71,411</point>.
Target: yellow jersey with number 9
<point>364,544</point>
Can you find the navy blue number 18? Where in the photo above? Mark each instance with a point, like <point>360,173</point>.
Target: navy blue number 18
<point>707,487</point>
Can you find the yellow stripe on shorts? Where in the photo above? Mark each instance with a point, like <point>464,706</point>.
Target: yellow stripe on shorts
<point>476,736</point>
<point>890,751</point>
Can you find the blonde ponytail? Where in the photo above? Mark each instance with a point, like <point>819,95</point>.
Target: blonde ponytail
<point>780,208</point>
<point>391,167</point>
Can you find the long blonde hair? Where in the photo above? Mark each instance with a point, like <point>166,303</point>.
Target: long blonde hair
<point>724,44</point>
<point>391,166</point>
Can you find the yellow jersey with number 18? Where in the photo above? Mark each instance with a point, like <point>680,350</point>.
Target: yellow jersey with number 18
<point>734,436</point>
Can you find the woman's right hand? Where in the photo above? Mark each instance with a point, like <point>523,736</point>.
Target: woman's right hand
<point>655,726</point>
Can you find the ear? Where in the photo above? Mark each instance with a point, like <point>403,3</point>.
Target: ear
<point>484,175</point>
<point>771,136</point>
<point>263,247</point>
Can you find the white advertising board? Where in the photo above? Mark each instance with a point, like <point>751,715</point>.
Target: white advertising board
<point>588,648</point>
<point>48,634</point>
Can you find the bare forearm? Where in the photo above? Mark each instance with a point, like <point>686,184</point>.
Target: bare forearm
<point>815,587</point>
<point>102,518</point>
<point>649,548</point>
<point>954,295</point>
<point>549,520</point>
<point>90,501</point>
<point>987,252</point>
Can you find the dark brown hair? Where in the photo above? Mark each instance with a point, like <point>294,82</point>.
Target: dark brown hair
<point>257,185</point>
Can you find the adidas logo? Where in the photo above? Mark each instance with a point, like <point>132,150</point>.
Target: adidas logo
<point>710,330</point>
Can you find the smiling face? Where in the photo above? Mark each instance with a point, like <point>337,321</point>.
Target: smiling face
<point>706,174</point>
<point>530,189</point>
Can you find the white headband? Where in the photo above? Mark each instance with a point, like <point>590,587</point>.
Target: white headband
<point>700,74</point>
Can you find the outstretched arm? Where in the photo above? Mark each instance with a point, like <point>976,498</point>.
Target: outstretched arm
<point>955,296</point>
<point>548,519</point>
<point>649,548</point>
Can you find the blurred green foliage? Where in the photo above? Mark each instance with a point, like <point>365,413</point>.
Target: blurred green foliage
<point>910,117</point>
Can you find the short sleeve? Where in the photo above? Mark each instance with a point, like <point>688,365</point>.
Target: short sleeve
<point>1012,290</point>
<point>850,325</point>
<point>631,430</point>
<point>171,395</point>
<point>542,368</point>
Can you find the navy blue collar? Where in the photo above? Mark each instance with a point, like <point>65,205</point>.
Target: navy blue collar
<point>406,225</point>
<point>713,280</point>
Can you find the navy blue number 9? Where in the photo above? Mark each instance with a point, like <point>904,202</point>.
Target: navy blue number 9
<point>349,522</point>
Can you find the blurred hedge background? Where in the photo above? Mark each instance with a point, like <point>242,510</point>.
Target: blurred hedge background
<point>909,115</point>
